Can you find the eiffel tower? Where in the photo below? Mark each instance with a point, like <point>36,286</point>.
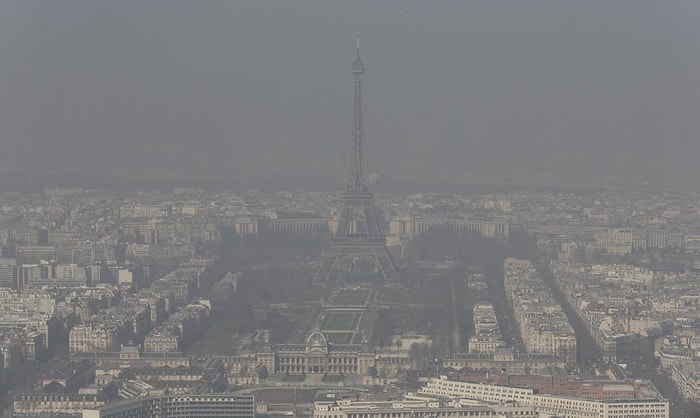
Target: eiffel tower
<point>358,235</point>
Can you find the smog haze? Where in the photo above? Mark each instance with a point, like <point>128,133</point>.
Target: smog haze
<point>259,93</point>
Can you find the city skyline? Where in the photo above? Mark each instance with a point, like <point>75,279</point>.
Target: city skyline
<point>175,239</point>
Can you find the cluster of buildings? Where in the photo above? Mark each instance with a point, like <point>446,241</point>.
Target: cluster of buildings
<point>157,229</point>
<point>679,356</point>
<point>543,326</point>
<point>627,263</point>
<point>81,262</point>
<point>115,277</point>
<point>586,227</point>
<point>579,227</point>
<point>160,316</point>
<point>438,397</point>
<point>25,321</point>
<point>487,352</point>
<point>93,228</point>
<point>63,390</point>
<point>179,330</point>
<point>115,346</point>
<point>634,313</point>
<point>625,308</point>
<point>487,333</point>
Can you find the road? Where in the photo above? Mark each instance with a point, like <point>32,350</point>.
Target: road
<point>586,348</point>
<point>504,311</point>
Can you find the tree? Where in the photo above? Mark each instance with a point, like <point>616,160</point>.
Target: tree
<point>383,328</point>
<point>419,350</point>
<point>263,373</point>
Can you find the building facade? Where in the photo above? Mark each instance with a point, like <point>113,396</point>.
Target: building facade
<point>649,403</point>
<point>505,360</point>
<point>415,409</point>
<point>317,356</point>
<point>205,405</point>
<point>409,226</point>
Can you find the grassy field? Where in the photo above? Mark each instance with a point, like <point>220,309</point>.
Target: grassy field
<point>353,297</point>
<point>339,337</point>
<point>340,321</point>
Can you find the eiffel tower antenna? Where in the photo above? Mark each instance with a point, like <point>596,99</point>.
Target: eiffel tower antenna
<point>358,234</point>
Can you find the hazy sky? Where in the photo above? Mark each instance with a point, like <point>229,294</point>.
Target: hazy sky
<point>263,90</point>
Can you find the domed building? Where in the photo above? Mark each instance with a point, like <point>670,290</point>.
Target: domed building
<point>316,341</point>
<point>317,356</point>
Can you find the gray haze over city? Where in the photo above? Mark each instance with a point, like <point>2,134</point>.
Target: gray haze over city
<point>257,93</point>
<point>189,225</point>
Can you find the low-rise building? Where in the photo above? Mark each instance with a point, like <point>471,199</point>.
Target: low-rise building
<point>205,405</point>
<point>648,402</point>
<point>345,408</point>
<point>504,360</point>
<point>487,333</point>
